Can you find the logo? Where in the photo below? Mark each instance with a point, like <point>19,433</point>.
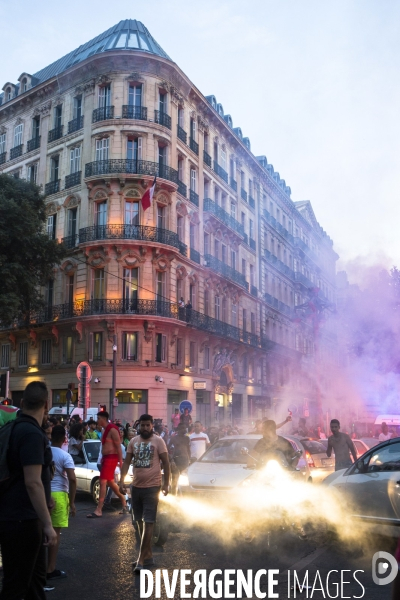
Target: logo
<point>384,563</point>
<point>213,480</point>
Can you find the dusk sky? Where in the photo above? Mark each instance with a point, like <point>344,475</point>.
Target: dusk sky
<point>314,85</point>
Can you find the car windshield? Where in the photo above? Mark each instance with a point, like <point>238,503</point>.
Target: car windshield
<point>314,447</point>
<point>92,450</point>
<point>228,451</point>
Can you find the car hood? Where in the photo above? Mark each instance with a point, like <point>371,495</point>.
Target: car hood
<point>334,477</point>
<point>217,475</point>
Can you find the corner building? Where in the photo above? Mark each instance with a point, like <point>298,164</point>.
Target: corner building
<point>94,128</point>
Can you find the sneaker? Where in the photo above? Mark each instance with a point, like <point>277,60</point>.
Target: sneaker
<point>48,588</point>
<point>56,574</point>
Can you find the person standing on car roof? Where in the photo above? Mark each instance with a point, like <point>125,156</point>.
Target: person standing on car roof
<point>342,445</point>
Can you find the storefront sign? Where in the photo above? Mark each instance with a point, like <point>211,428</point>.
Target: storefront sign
<point>199,385</point>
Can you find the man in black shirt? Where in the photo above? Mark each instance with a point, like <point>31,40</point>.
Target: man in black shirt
<point>25,524</point>
<point>271,443</point>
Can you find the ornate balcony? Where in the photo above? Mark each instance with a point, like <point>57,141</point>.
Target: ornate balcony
<point>278,227</point>
<point>222,215</point>
<point>33,144</point>
<point>298,242</point>
<point>162,118</point>
<point>131,232</point>
<point>207,158</point>
<point>194,198</point>
<point>279,265</point>
<point>194,255</point>
<point>225,270</point>
<point>182,188</point>
<point>73,179</point>
<point>233,184</point>
<point>52,187</point>
<point>182,135</point>
<point>16,151</point>
<point>254,291</point>
<point>132,167</point>
<point>300,278</point>
<point>3,158</point>
<point>71,241</point>
<point>278,305</point>
<point>243,194</point>
<point>134,112</point>
<point>55,134</point>
<point>75,124</point>
<point>194,146</point>
<point>102,114</point>
<point>220,171</point>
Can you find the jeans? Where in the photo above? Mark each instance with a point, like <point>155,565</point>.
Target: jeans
<point>24,560</point>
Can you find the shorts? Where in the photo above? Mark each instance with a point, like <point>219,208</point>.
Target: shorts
<point>60,512</point>
<point>108,465</point>
<point>144,503</point>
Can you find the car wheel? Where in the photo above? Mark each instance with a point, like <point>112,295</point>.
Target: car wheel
<point>96,490</point>
<point>161,530</point>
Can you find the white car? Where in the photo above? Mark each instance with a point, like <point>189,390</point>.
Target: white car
<point>372,486</point>
<point>223,466</point>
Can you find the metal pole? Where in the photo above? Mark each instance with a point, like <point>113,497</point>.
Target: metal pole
<point>114,377</point>
<point>83,390</point>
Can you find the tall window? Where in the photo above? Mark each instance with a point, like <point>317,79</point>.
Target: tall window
<point>51,226</point>
<point>161,347</point>
<point>70,289</point>
<point>253,322</point>
<point>206,303</point>
<point>105,96</point>
<point>5,356</point>
<point>162,103</point>
<point>217,314</point>
<point>193,236</point>
<point>131,212</point>
<point>23,354</point>
<point>46,352</point>
<point>233,259</point>
<point>179,228</point>
<point>2,143</point>
<point>180,169</point>
<point>97,345</point>
<point>252,278</point>
<point>77,107</point>
<point>193,129</point>
<point>35,127</point>
<point>206,143</point>
<point>206,358</point>
<point>102,147</point>
<point>24,85</point>
<point>162,156</point>
<point>54,168</point>
<point>224,315</point>
<point>49,292</point>
<point>223,159</point>
<point>75,160</point>
<point>234,315</point>
<point>233,210</point>
<point>58,116</point>
<point>251,228</point>
<point>179,352</point>
<point>206,243</point>
<point>181,117</point>
<point>244,319</point>
<point>244,267</point>
<point>67,350</point>
<point>32,172</point>
<point>135,95</point>
<point>193,179</point>
<point>18,135</point>
<point>161,291</point>
<point>100,215</point>
<point>98,284</point>
<point>71,221</point>
<point>192,354</point>
<point>134,149</point>
<point>223,253</point>
<point>161,216</point>
<point>129,346</point>
<point>131,285</point>
<point>216,248</point>
<point>179,289</point>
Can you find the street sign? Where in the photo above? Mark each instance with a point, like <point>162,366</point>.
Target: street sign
<point>199,385</point>
<point>185,404</point>
<point>115,402</point>
<point>88,371</point>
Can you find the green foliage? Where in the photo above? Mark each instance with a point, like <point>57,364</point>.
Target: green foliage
<point>27,255</point>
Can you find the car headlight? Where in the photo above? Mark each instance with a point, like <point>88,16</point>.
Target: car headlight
<point>183,480</point>
<point>249,481</point>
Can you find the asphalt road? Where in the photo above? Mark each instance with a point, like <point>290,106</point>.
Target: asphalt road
<point>97,556</point>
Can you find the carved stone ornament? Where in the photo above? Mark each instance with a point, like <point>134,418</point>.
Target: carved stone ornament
<point>174,336</point>
<point>163,199</point>
<point>135,76</point>
<point>132,193</point>
<point>181,209</point>
<point>204,343</point>
<point>68,267</point>
<point>18,121</point>
<point>72,201</point>
<point>202,124</point>
<point>45,109</point>
<point>130,258</point>
<point>148,330</point>
<point>193,278</point>
<point>33,338</point>
<point>161,262</point>
<point>52,208</point>
<point>103,80</point>
<point>110,330</point>
<point>53,330</point>
<point>100,195</point>
<point>181,272</point>
<point>77,328</point>
<point>194,217</point>
<point>98,260</point>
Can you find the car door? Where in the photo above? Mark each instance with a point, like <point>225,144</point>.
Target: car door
<point>373,484</point>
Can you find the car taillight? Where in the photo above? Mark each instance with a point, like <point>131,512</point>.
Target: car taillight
<point>310,461</point>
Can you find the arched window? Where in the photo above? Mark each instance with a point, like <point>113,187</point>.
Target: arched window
<point>23,85</point>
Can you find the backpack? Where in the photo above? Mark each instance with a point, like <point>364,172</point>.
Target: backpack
<point>5,437</point>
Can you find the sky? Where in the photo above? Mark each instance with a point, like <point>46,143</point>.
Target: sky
<point>314,85</point>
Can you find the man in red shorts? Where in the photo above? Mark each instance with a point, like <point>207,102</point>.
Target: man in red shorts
<point>111,456</point>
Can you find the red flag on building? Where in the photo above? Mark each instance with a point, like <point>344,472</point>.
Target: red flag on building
<point>148,195</point>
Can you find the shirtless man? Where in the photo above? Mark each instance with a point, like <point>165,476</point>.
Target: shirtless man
<point>111,456</point>
<point>342,445</point>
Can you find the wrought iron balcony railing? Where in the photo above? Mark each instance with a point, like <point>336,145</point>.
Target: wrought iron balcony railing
<point>133,167</point>
<point>300,278</point>
<point>52,187</point>
<point>275,303</point>
<point>207,158</point>
<point>243,194</point>
<point>102,114</point>
<point>75,124</point>
<point>225,270</point>
<point>253,291</point>
<point>211,207</point>
<point>279,265</point>
<point>16,151</point>
<point>162,118</point>
<point>182,188</point>
<point>194,198</point>
<point>182,135</point>
<point>233,184</point>
<point>3,158</point>
<point>55,134</point>
<point>134,112</point>
<point>71,241</point>
<point>220,171</point>
<point>298,242</point>
<point>194,146</point>
<point>195,255</point>
<point>132,232</point>
<point>33,144</point>
<point>73,179</point>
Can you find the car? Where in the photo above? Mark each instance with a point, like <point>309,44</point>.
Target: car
<point>223,467</point>
<point>319,464</point>
<point>360,446</point>
<point>371,486</point>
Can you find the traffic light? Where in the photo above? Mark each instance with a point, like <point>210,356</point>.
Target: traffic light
<point>3,385</point>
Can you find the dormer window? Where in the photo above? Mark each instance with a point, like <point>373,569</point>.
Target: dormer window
<point>8,94</point>
<point>24,85</point>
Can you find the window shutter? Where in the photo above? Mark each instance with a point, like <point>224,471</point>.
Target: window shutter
<point>90,352</point>
<point>163,348</point>
<point>140,146</point>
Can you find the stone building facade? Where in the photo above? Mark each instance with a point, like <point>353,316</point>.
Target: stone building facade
<point>94,129</point>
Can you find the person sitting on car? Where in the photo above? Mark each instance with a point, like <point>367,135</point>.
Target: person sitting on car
<point>271,443</point>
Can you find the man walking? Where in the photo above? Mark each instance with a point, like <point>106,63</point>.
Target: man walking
<point>111,455</point>
<point>199,441</point>
<point>385,433</point>
<point>63,489</point>
<point>146,450</point>
<point>25,524</point>
<point>342,445</point>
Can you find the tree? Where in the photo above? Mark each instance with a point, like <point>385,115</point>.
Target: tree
<point>27,254</point>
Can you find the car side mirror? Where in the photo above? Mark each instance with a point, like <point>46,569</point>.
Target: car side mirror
<point>78,460</point>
